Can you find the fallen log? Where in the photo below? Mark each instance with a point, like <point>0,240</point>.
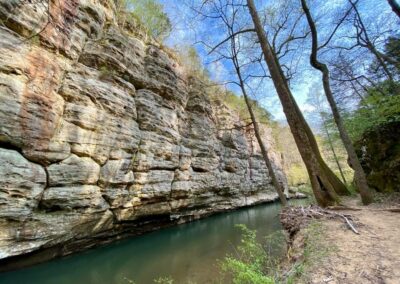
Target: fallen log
<point>344,208</point>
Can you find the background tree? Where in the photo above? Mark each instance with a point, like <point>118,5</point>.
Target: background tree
<point>230,49</point>
<point>369,99</point>
<point>317,101</point>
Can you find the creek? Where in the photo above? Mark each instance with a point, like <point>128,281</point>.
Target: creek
<point>188,253</point>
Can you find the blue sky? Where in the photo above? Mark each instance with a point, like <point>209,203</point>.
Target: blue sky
<point>188,30</point>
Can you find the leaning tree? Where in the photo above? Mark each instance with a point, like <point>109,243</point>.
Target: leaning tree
<point>325,184</point>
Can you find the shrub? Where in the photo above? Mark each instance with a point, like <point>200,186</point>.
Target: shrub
<point>381,106</point>
<point>149,13</point>
<point>252,263</point>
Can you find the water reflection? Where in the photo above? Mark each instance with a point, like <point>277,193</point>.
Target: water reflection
<point>187,252</point>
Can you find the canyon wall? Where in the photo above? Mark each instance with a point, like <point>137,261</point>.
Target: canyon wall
<point>103,135</point>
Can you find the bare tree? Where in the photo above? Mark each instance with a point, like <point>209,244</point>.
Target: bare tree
<point>277,184</point>
<point>356,53</point>
<point>363,39</point>
<point>325,183</point>
<point>275,181</point>
<point>315,99</point>
<point>360,178</point>
<point>330,142</point>
<point>230,49</point>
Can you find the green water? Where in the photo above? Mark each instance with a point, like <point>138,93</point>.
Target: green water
<point>187,252</point>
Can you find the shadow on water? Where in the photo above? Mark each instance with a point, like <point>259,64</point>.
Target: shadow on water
<point>187,252</point>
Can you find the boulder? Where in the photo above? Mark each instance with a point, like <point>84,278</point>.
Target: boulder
<point>73,198</point>
<point>21,185</point>
<point>74,170</point>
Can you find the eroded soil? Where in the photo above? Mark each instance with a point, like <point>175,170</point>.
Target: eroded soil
<point>372,256</point>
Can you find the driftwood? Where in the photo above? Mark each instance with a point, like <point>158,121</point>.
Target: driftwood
<point>351,225</point>
<point>293,218</point>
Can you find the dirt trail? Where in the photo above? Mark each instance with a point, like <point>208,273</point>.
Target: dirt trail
<point>373,256</point>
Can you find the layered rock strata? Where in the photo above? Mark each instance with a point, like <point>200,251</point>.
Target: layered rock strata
<point>102,134</point>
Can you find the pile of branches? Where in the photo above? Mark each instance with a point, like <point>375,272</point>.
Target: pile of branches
<point>295,218</point>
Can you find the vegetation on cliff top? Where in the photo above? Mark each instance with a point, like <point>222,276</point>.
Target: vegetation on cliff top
<point>149,13</point>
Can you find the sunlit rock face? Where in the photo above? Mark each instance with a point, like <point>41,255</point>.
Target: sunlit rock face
<point>103,135</point>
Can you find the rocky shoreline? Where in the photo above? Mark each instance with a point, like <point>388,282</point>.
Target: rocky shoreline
<point>121,231</point>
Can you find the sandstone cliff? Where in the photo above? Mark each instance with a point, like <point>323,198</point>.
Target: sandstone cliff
<point>103,135</point>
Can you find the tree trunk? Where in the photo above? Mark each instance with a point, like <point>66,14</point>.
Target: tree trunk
<point>280,189</point>
<point>395,7</point>
<point>324,182</point>
<point>361,180</point>
<point>334,153</point>
<point>339,187</point>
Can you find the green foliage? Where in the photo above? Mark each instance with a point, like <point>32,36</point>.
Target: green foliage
<point>307,190</point>
<point>297,175</point>
<point>35,40</point>
<point>294,167</point>
<point>392,50</point>
<point>381,106</point>
<point>150,13</point>
<point>245,273</point>
<point>106,73</point>
<point>251,264</point>
<point>391,57</point>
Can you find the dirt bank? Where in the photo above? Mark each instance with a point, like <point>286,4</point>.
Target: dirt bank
<point>371,256</point>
